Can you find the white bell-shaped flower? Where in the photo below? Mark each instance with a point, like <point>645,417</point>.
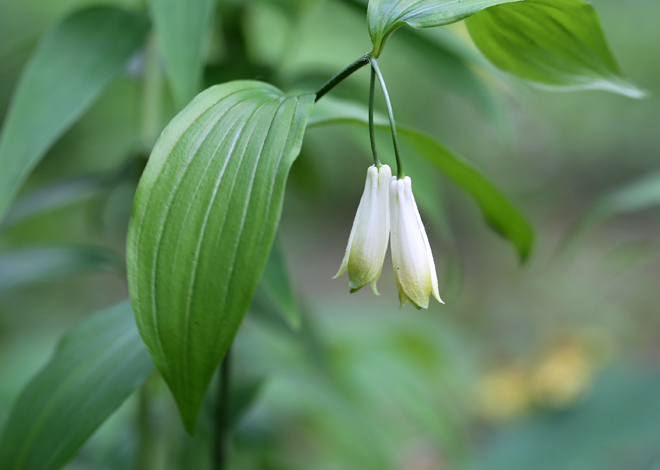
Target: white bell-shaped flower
<point>370,234</point>
<point>414,268</point>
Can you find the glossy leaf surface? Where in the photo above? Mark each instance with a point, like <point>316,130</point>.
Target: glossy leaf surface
<point>70,67</point>
<point>555,43</point>
<point>182,27</point>
<point>496,208</point>
<point>385,16</point>
<point>97,365</point>
<point>204,220</point>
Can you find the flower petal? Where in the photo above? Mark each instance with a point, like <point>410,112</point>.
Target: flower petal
<point>369,237</point>
<point>414,268</point>
<point>434,276</point>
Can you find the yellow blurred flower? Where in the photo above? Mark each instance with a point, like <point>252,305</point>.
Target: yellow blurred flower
<point>563,375</point>
<point>505,393</point>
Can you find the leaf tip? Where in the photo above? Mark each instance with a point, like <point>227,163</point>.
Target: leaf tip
<point>189,412</point>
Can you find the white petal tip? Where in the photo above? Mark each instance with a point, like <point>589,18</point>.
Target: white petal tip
<point>373,288</point>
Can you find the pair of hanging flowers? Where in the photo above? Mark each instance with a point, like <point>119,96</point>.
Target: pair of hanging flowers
<point>388,208</point>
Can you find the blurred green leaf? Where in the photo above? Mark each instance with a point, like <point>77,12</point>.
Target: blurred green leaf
<point>70,67</point>
<point>334,422</point>
<point>95,368</point>
<point>385,16</point>
<point>51,197</point>
<point>454,71</point>
<point>243,396</point>
<point>204,220</point>
<point>559,44</point>
<point>640,195</point>
<point>182,27</point>
<point>498,211</point>
<point>277,287</point>
<point>51,262</point>
<point>292,8</point>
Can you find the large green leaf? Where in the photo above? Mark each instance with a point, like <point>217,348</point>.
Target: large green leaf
<point>70,67</point>
<point>498,211</point>
<point>51,262</point>
<point>555,43</point>
<point>182,27</point>
<point>204,219</point>
<point>385,16</point>
<point>95,368</point>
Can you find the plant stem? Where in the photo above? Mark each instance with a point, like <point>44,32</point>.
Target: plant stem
<point>334,81</point>
<point>145,431</point>
<point>372,131</point>
<point>395,139</point>
<point>221,441</point>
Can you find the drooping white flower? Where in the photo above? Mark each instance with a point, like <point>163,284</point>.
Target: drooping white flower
<point>370,234</point>
<point>414,268</point>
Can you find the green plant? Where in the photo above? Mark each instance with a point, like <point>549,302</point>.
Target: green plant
<point>200,248</point>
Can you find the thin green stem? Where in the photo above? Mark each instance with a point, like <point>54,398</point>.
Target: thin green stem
<point>395,139</point>
<point>337,79</point>
<point>145,431</point>
<point>221,447</point>
<point>372,132</point>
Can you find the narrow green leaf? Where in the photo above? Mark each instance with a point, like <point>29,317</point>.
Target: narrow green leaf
<point>182,27</point>
<point>385,16</point>
<point>44,263</point>
<point>204,220</point>
<point>95,368</point>
<point>59,194</point>
<point>70,67</point>
<point>557,44</point>
<point>498,211</point>
<point>276,286</point>
<point>501,215</point>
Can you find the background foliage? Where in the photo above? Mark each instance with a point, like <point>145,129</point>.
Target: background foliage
<point>549,365</point>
